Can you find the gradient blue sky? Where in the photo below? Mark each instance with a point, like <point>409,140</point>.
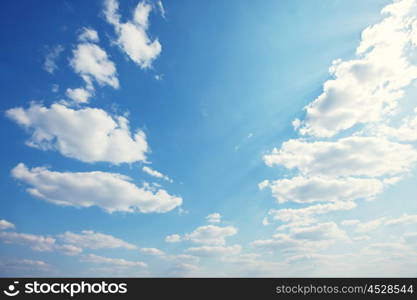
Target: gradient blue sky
<point>221,94</point>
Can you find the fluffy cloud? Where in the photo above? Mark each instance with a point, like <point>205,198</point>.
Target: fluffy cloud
<point>88,35</point>
<point>132,37</point>
<point>215,250</point>
<point>367,88</point>
<point>173,238</point>
<point>78,95</point>
<point>350,156</point>
<point>6,225</point>
<point>210,234</point>
<point>49,64</point>
<point>155,173</point>
<point>119,262</point>
<point>110,191</point>
<point>94,240</point>
<point>321,189</point>
<point>91,62</point>
<point>214,218</point>
<point>87,134</point>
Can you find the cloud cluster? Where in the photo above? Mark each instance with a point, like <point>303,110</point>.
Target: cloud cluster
<point>110,191</point>
<point>368,88</point>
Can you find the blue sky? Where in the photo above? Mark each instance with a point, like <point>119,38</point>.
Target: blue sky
<point>170,138</point>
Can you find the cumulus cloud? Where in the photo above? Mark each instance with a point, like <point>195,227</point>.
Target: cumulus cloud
<point>173,238</point>
<point>92,63</point>
<point>119,262</point>
<point>88,35</point>
<point>214,218</point>
<point>6,225</point>
<point>88,134</point>
<point>132,36</point>
<point>110,191</point>
<point>215,250</point>
<point>323,189</point>
<point>374,81</point>
<point>350,156</point>
<point>49,64</point>
<point>155,173</point>
<point>78,95</point>
<point>94,240</point>
<point>210,234</point>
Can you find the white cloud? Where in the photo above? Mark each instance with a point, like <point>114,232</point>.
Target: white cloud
<point>215,250</point>
<point>305,213</point>
<point>367,88</point>
<point>406,132</point>
<point>91,62</point>
<point>152,251</point>
<point>369,226</point>
<point>94,240</point>
<point>173,238</point>
<point>25,268</point>
<point>404,219</point>
<point>110,191</point>
<point>304,238</point>
<point>6,225</point>
<point>79,95</point>
<point>322,231</point>
<point>214,218</point>
<point>88,35</point>
<point>350,156</point>
<point>87,134</point>
<point>132,37</point>
<point>161,8</point>
<point>155,173</point>
<point>69,250</point>
<point>119,262</point>
<point>35,242</point>
<point>181,265</point>
<point>49,64</point>
<point>210,234</point>
<point>322,189</point>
